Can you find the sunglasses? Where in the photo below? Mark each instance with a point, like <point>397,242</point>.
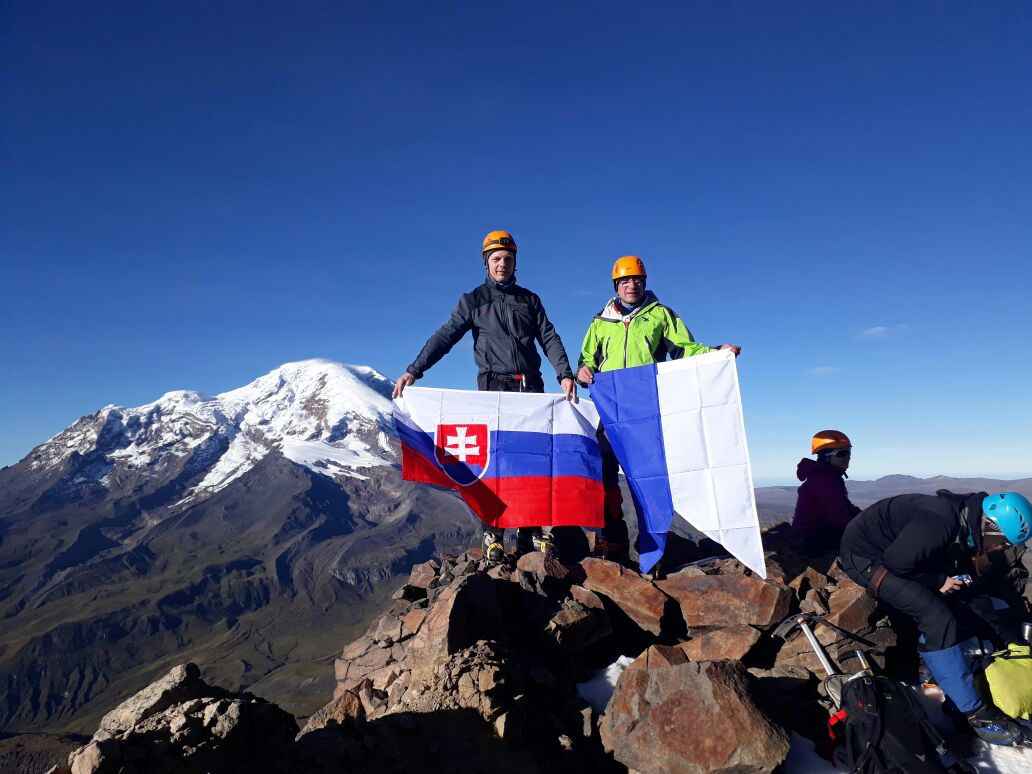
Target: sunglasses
<point>847,453</point>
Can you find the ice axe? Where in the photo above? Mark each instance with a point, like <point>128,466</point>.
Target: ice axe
<point>803,621</point>
<point>807,622</point>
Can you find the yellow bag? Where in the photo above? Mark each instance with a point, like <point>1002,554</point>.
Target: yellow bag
<point>1010,681</point>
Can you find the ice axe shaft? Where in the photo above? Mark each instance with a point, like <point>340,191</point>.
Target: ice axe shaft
<point>822,656</point>
<point>802,620</point>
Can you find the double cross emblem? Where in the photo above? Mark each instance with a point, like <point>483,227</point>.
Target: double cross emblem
<point>462,450</point>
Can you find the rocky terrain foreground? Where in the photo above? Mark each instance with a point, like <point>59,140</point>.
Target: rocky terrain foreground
<point>476,669</point>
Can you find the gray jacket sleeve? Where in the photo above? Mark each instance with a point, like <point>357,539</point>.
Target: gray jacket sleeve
<point>446,337</point>
<point>551,343</point>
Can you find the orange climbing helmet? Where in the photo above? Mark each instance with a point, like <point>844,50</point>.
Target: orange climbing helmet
<point>827,440</point>
<point>498,240</point>
<point>629,266</point>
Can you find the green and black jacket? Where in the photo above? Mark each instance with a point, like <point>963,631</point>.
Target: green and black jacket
<point>650,334</point>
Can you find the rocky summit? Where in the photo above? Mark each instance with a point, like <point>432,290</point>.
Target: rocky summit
<point>472,668</point>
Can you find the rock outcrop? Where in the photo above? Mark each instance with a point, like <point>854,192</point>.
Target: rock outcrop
<point>690,718</point>
<point>477,668</point>
<point>181,724</point>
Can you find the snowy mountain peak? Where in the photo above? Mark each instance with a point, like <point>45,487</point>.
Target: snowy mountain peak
<point>328,417</point>
<point>292,396</point>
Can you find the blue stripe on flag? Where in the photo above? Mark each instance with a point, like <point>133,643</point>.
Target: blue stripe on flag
<point>515,453</point>
<point>628,403</point>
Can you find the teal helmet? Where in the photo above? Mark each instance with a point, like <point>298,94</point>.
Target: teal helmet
<point>1011,513</point>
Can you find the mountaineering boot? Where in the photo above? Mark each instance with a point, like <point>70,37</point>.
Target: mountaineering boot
<point>494,550</point>
<point>542,541</point>
<point>525,540</point>
<point>992,726</point>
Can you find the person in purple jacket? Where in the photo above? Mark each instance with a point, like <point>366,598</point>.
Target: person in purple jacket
<point>822,507</point>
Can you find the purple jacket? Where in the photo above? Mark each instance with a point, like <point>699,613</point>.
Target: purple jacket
<point>822,507</point>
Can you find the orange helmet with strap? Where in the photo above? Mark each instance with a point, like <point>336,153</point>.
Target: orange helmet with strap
<point>498,240</point>
<point>827,440</point>
<point>629,266</point>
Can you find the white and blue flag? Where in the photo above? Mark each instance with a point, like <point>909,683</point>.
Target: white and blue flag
<point>678,432</point>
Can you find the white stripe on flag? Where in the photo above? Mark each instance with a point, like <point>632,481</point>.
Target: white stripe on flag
<point>706,453</point>
<point>551,413</point>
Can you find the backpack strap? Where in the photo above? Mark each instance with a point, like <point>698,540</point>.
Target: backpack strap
<point>941,747</point>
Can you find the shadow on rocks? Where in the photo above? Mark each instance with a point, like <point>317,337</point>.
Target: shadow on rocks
<point>442,742</point>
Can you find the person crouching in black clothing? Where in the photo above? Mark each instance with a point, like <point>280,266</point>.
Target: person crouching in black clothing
<point>905,550</point>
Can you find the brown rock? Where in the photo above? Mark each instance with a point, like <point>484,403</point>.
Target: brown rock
<point>836,573</point>
<point>422,574</point>
<point>343,711</point>
<point>775,572</point>
<point>97,757</point>
<point>725,600</point>
<point>731,642</point>
<point>587,716</point>
<point>808,579</point>
<point>851,606</point>
<point>356,648</point>
<point>657,656</point>
<point>340,669</point>
<point>464,613</point>
<point>797,652</point>
<point>813,602</point>
<point>638,598</point>
<point>411,622</point>
<point>373,665</point>
<point>372,699</point>
<point>575,626</point>
<point>690,719</point>
<point>691,571</point>
<point>397,689</point>
<point>587,598</point>
<point>388,631</point>
<point>182,683</point>
<point>542,566</point>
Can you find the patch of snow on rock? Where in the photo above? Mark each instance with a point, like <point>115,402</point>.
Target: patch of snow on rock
<point>319,455</point>
<point>599,688</point>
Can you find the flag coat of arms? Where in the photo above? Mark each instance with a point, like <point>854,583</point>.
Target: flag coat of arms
<point>678,432</point>
<point>517,459</point>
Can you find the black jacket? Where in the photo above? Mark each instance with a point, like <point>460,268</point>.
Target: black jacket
<point>505,323</point>
<point>918,537</point>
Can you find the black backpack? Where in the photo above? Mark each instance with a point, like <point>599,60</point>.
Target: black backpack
<point>887,731</point>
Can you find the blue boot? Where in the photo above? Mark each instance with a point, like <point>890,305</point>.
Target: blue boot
<point>954,673</point>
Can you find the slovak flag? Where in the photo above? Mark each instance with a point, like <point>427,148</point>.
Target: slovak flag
<point>678,432</point>
<point>517,459</point>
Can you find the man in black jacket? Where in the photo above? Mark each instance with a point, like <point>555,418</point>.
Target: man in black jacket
<point>507,321</point>
<point>907,549</point>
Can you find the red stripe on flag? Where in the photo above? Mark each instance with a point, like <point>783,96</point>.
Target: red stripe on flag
<point>520,501</point>
<point>483,502</point>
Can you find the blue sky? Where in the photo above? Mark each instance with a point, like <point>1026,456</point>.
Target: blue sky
<point>195,193</point>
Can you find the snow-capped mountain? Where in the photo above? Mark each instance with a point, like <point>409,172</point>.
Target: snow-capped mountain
<point>332,418</point>
<point>252,531</point>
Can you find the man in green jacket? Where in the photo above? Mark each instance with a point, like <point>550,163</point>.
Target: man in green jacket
<point>633,329</point>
